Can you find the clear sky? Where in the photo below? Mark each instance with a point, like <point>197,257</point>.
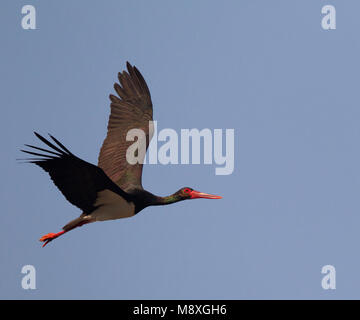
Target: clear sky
<point>265,68</point>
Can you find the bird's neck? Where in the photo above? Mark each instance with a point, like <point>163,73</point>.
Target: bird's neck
<point>168,199</point>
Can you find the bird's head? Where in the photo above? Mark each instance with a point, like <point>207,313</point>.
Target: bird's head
<point>189,193</point>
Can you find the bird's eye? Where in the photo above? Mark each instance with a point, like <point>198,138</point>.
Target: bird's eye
<point>187,190</point>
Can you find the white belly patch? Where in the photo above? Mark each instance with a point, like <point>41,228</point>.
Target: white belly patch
<point>112,206</point>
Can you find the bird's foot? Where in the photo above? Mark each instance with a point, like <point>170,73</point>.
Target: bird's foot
<point>49,237</point>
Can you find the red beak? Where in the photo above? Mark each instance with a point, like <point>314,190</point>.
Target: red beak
<point>196,195</point>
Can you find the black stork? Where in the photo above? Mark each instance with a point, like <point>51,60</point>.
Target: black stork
<point>113,189</point>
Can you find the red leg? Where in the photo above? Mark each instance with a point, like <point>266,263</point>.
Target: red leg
<point>50,236</point>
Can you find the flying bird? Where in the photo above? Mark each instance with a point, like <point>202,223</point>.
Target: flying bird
<point>112,189</point>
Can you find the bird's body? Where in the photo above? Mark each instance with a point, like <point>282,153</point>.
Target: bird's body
<point>113,189</point>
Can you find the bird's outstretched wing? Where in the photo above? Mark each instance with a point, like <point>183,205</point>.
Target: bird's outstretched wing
<point>79,181</point>
<point>131,110</point>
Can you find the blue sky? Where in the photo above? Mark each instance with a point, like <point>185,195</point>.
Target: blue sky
<point>267,69</point>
